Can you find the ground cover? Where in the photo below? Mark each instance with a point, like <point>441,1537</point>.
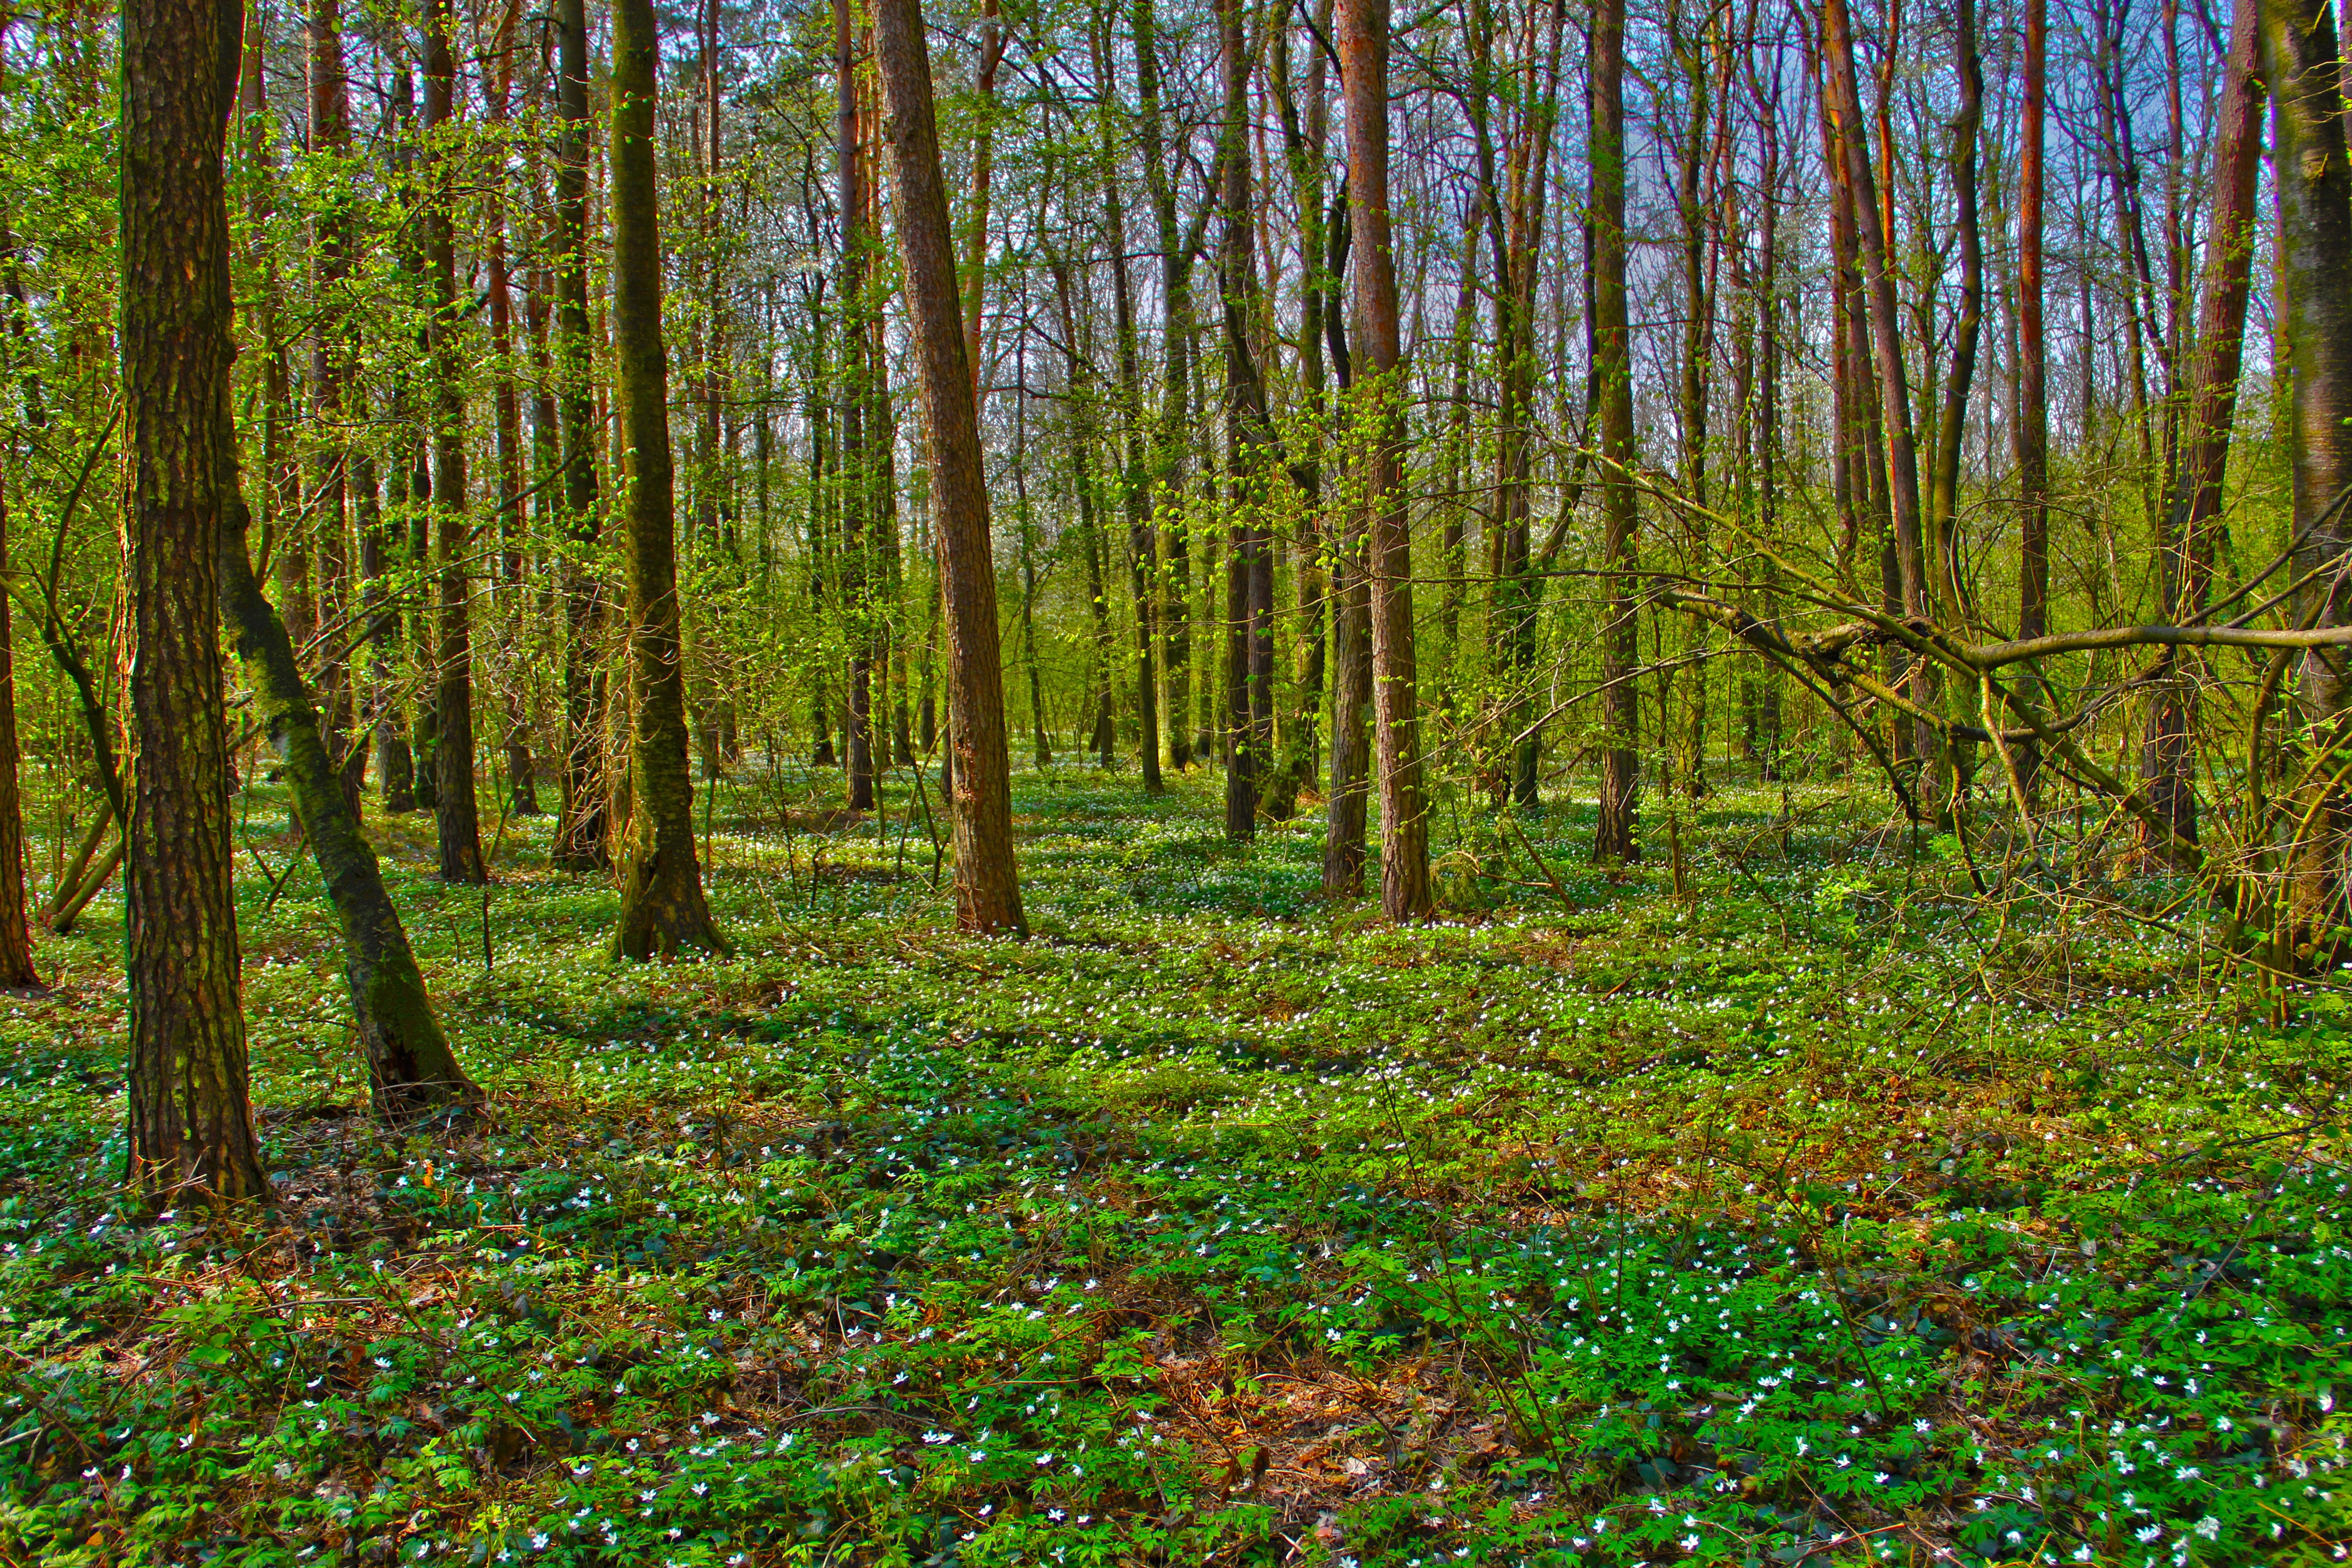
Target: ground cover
<point>1779,1202</point>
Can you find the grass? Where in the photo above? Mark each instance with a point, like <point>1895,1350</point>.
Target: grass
<point>1824,1214</point>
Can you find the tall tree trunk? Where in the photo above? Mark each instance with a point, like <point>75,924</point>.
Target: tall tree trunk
<point>1364,35</point>
<point>456,817</point>
<point>584,828</point>
<point>190,1117</point>
<point>330,351</point>
<point>1615,840</point>
<point>987,887</point>
<point>1168,445</point>
<point>1352,623</point>
<point>1135,474</point>
<point>1902,465</point>
<point>2193,509</point>
<point>856,466</point>
<point>2033,366</point>
<point>1249,561</point>
<point>506,403</point>
<point>662,911</point>
<point>17,970</point>
<point>2314,330</point>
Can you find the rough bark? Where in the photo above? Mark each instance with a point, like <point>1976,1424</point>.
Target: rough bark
<point>662,911</point>
<point>987,887</point>
<point>17,970</point>
<point>190,1116</point>
<point>1249,557</point>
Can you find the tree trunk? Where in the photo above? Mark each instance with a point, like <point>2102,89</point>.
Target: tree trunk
<point>1364,35</point>
<point>190,1117</point>
<point>987,887</point>
<point>330,351</point>
<point>854,467</point>
<point>1135,480</point>
<point>1352,630</point>
<point>2193,510</point>
<point>457,820</point>
<point>1249,560</point>
<point>1168,445</point>
<point>1615,841</point>
<point>411,1067</point>
<point>2314,330</point>
<point>2033,366</point>
<point>662,911</point>
<point>16,971</point>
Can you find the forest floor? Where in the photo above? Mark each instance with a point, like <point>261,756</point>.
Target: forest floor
<point>1813,1212</point>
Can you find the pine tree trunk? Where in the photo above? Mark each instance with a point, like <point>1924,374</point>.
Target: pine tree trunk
<point>662,911</point>
<point>190,1117</point>
<point>987,888</point>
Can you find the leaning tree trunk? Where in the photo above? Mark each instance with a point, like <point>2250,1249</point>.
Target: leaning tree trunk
<point>2193,510</point>
<point>663,910</point>
<point>1364,35</point>
<point>456,817</point>
<point>190,1115</point>
<point>1615,841</point>
<point>2314,329</point>
<point>411,1067</point>
<point>987,886</point>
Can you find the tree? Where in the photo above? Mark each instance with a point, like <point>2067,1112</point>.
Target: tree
<point>584,821</point>
<point>1363,37</point>
<point>2314,187</point>
<point>2193,509</point>
<point>190,1116</point>
<point>17,970</point>
<point>987,886</point>
<point>411,1066</point>
<point>662,911</point>
<point>456,818</point>
<point>1249,557</point>
<point>1614,842</point>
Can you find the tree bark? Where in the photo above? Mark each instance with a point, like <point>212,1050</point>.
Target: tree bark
<point>2034,365</point>
<point>1249,559</point>
<point>17,970</point>
<point>2314,328</point>
<point>330,351</point>
<point>1364,35</point>
<point>1615,840</point>
<point>987,887</point>
<point>584,831</point>
<point>411,1067</point>
<point>662,911</point>
<point>2193,509</point>
<point>457,819</point>
<point>190,1115</point>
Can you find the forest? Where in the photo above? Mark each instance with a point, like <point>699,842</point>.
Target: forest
<point>1254,782</point>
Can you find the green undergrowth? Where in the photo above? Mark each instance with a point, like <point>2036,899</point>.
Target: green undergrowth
<point>1826,1213</point>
